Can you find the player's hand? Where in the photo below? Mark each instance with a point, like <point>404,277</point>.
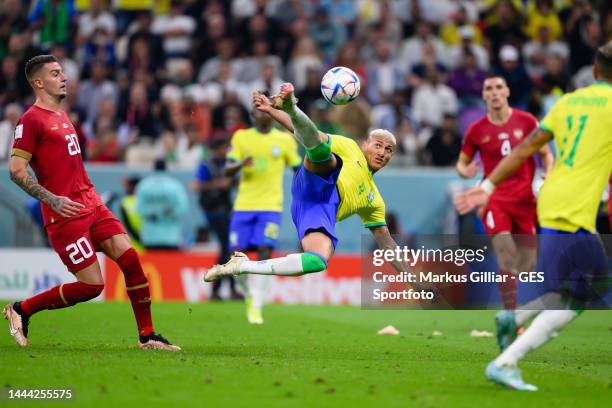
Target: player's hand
<point>471,170</point>
<point>261,102</point>
<point>475,197</point>
<point>65,206</point>
<point>247,161</point>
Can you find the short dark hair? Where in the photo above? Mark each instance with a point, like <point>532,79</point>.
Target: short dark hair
<point>603,60</point>
<point>34,64</point>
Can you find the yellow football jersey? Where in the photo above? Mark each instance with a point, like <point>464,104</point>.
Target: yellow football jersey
<point>581,123</point>
<point>261,183</point>
<point>358,193</point>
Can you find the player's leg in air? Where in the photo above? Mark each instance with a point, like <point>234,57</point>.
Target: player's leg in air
<point>314,205</point>
<point>575,270</point>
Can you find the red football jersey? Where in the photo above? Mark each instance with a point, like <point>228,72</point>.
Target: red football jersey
<point>48,139</point>
<point>494,143</point>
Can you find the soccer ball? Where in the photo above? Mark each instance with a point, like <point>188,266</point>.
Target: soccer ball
<point>340,85</point>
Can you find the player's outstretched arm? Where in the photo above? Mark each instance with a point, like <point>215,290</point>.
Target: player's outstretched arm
<point>466,168</point>
<point>547,158</point>
<point>19,175</point>
<point>262,103</point>
<point>479,195</point>
<point>384,240</point>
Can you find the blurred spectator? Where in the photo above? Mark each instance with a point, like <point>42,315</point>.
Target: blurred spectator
<point>128,10</point>
<point>311,93</point>
<point>428,62</point>
<point>556,74</point>
<point>412,49</point>
<point>11,87</point>
<point>543,14</point>
<point>384,75</point>
<point>13,23</point>
<point>105,148</point>
<point>213,188</point>
<point>254,28</point>
<point>444,146</point>
<point>176,29</point>
<point>128,214</point>
<point>190,150</point>
<point>161,202</point>
<point>106,120</point>
<point>432,100</point>
<point>584,39</point>
<point>141,29</point>
<point>138,115</point>
<point>225,54</point>
<point>505,28</point>
<point>229,116</point>
<point>12,113</point>
<point>467,35</point>
<point>391,114</point>
<point>537,51</point>
<point>101,47</point>
<point>467,81</point>
<point>513,71</point>
<point>94,90</point>
<point>327,33</point>
<point>450,32</point>
<point>342,12</point>
<point>269,81</point>
<point>141,62</point>
<point>304,59</point>
<point>55,19</point>
<point>251,67</point>
<point>96,17</point>
<point>212,28</point>
<point>348,56</point>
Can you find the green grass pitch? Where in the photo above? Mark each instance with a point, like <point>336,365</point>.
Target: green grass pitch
<point>314,356</point>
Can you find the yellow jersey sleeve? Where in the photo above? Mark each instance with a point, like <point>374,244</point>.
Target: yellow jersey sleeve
<point>236,149</point>
<point>374,215</point>
<point>580,123</point>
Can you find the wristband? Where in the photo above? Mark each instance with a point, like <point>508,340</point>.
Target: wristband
<point>488,186</point>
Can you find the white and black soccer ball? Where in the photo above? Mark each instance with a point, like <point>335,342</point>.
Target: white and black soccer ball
<point>340,85</point>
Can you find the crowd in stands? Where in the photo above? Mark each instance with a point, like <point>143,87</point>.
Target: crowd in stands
<point>151,79</point>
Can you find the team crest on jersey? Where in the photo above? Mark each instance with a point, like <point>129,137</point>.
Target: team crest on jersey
<point>503,136</point>
<point>486,139</point>
<point>275,151</point>
<point>55,127</point>
<point>19,132</point>
<point>518,133</point>
<point>65,125</point>
<point>370,196</point>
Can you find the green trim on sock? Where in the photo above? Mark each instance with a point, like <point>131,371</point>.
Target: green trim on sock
<point>312,263</point>
<point>321,153</point>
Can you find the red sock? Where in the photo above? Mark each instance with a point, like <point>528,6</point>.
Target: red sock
<point>61,296</point>
<point>507,291</point>
<point>137,289</point>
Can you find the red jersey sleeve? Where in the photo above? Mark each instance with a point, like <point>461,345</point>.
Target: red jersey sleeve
<point>468,147</point>
<point>26,137</point>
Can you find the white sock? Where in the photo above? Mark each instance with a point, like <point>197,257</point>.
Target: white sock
<point>290,265</point>
<point>524,313</point>
<point>544,327</point>
<point>259,285</point>
<point>522,316</point>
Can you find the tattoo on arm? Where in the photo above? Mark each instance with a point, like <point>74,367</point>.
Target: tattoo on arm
<point>24,180</point>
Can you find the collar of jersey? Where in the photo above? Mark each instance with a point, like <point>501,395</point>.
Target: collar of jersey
<point>604,83</point>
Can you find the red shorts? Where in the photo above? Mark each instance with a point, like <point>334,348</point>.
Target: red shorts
<point>76,240</point>
<point>516,218</point>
